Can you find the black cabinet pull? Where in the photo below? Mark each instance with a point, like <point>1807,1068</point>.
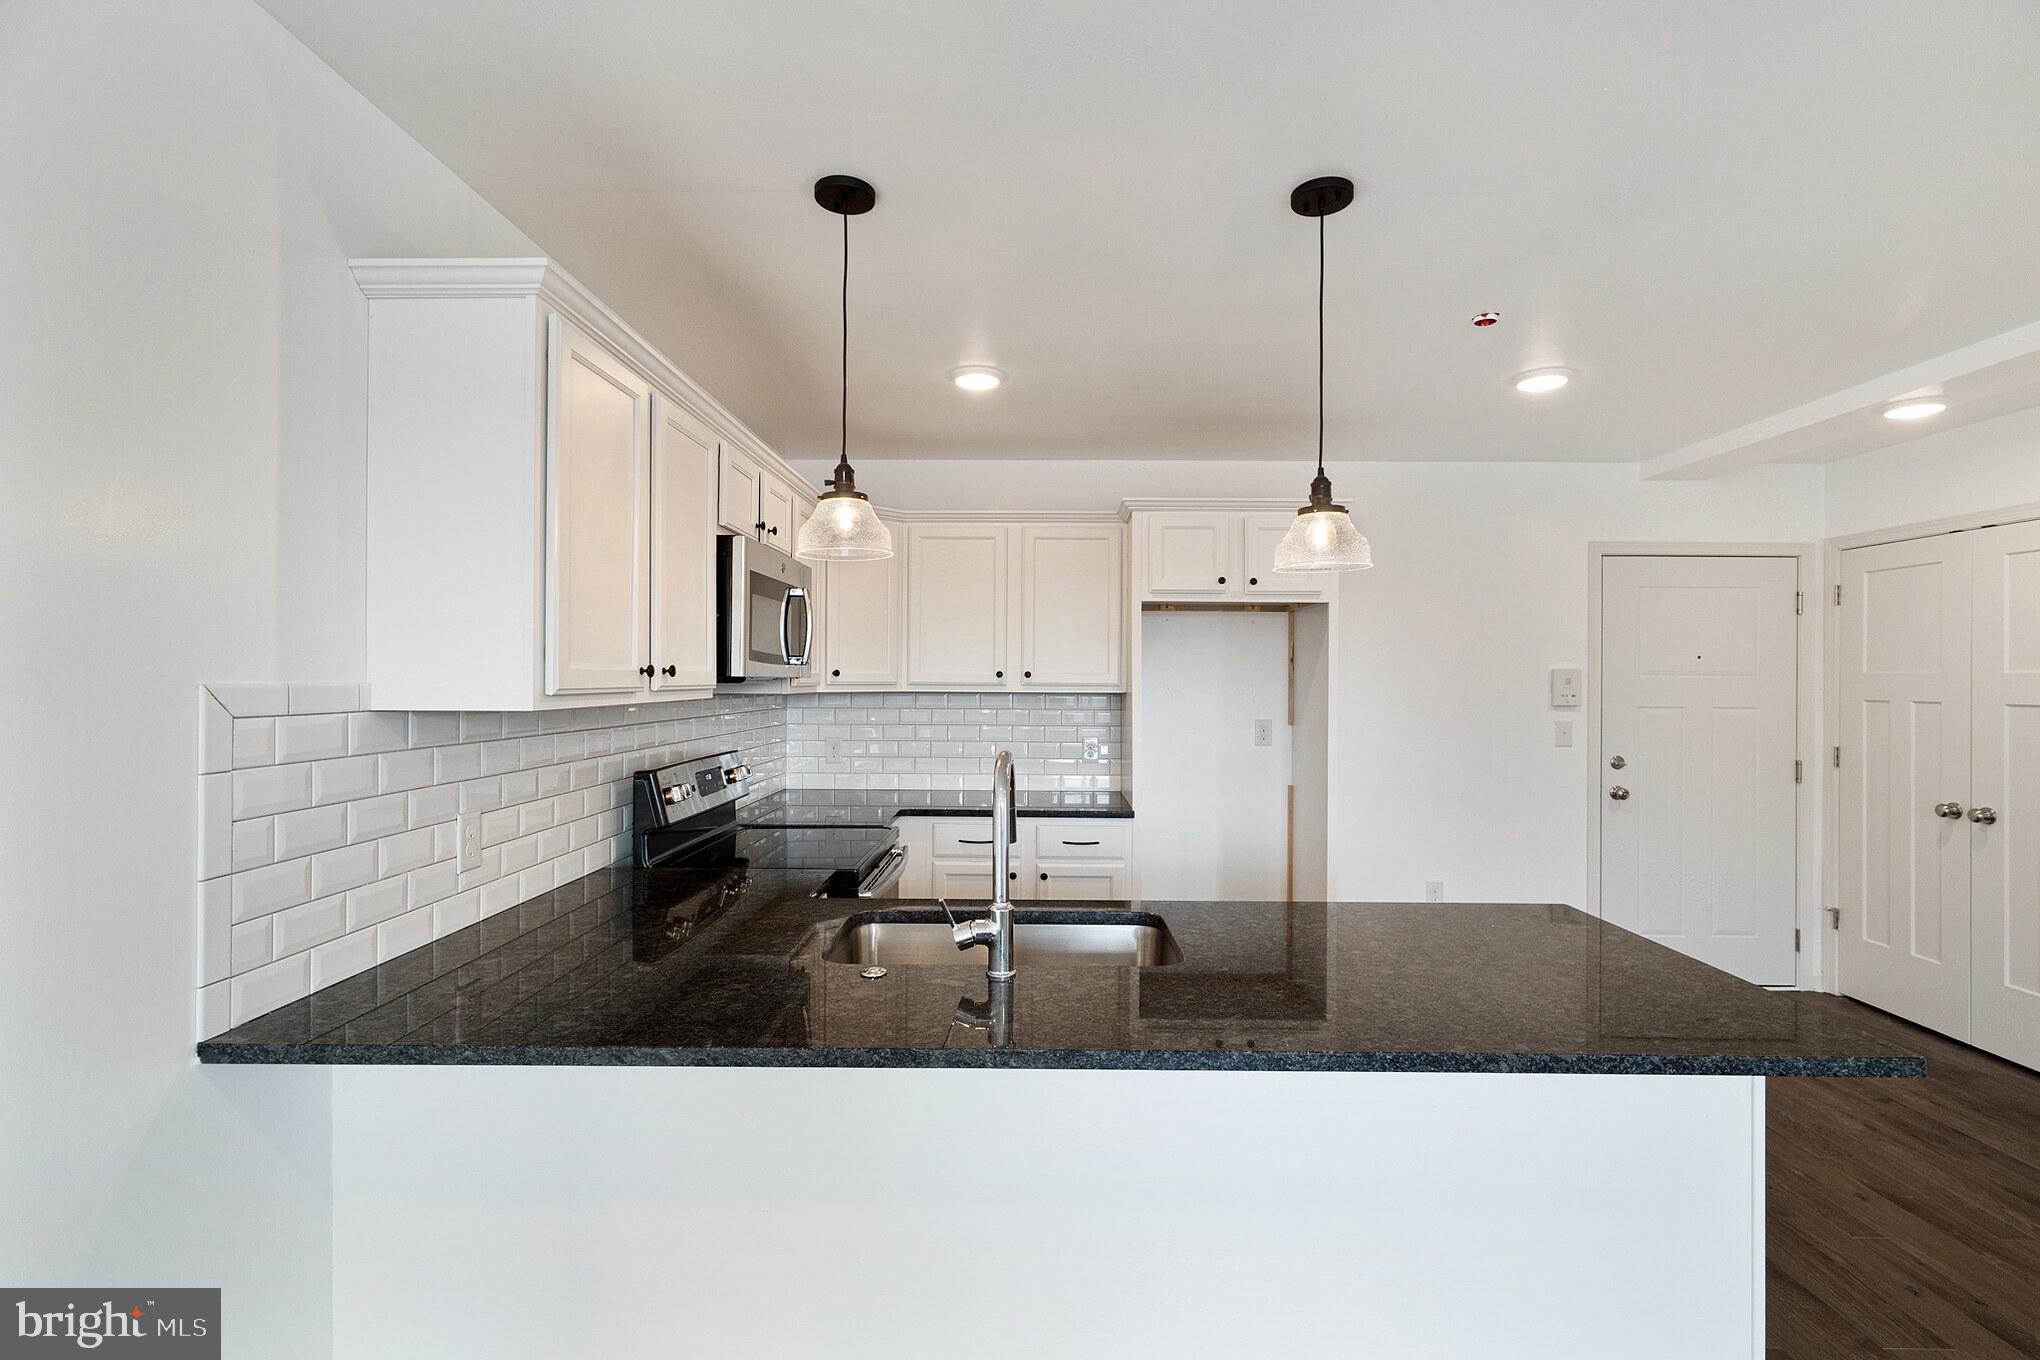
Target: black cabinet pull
<point>1253,580</point>
<point>774,530</point>
<point>964,840</point>
<point>1012,874</point>
<point>1221,580</point>
<point>645,671</point>
<point>1027,675</point>
<point>998,675</point>
<point>761,526</point>
<point>835,673</point>
<point>1044,878</point>
<point>1080,842</point>
<point>670,670</point>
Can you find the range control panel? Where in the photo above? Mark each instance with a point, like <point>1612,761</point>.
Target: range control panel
<point>695,786</point>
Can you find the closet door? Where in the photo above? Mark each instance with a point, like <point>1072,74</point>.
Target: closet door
<point>2004,811</point>
<point>1904,876</point>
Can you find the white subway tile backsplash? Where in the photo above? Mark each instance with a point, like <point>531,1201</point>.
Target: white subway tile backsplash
<point>947,741</point>
<point>338,870</point>
<point>320,736</point>
<point>310,830</point>
<point>257,892</point>
<point>368,733</point>
<point>328,838</point>
<point>277,788</point>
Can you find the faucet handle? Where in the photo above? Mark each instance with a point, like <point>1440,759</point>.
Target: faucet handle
<point>964,936</point>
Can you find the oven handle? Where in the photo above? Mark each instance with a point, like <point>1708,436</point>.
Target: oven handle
<point>886,874</point>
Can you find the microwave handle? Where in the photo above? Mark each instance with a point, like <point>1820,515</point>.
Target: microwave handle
<point>807,615</point>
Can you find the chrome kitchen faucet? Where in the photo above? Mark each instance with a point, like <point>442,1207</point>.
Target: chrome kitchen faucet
<point>997,932</point>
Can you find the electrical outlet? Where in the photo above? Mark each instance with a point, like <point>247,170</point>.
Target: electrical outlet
<point>1434,890</point>
<point>1561,732</point>
<point>470,828</point>
<point>1264,731</point>
<point>1093,749</point>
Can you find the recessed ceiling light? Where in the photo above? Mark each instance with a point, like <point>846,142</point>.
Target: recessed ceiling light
<point>1915,408</point>
<point>976,377</point>
<point>1539,380</point>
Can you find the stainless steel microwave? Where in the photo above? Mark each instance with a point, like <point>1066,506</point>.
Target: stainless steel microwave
<point>766,623</point>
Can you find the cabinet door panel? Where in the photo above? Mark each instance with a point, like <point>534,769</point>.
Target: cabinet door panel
<point>1192,556</point>
<point>1079,882</point>
<point>598,452</point>
<point>956,606</point>
<point>776,509</point>
<point>1260,532</point>
<point>683,547</point>
<point>1072,609</point>
<point>965,881</point>
<point>738,503</point>
<point>861,622</point>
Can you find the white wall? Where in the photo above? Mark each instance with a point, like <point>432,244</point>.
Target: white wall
<point>1443,763</point>
<point>1986,466</point>
<point>182,380</point>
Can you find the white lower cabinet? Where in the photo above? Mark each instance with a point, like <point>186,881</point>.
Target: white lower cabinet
<point>1056,859</point>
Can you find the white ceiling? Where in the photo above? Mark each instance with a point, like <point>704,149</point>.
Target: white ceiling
<point>1714,211</point>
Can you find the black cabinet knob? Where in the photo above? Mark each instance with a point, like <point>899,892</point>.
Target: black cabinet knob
<point>1044,878</point>
<point>761,526</point>
<point>774,530</point>
<point>670,670</point>
<point>645,671</point>
<point>1027,675</point>
<point>1221,580</point>
<point>835,673</point>
<point>998,675</point>
<point>1253,580</point>
<point>1014,874</point>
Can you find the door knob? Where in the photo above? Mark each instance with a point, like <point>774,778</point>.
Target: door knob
<point>1616,762</point>
<point>1618,793</point>
<point>1951,811</point>
<point>1983,816</point>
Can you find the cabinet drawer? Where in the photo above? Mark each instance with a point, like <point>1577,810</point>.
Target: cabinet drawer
<point>965,838</point>
<point>1064,838</point>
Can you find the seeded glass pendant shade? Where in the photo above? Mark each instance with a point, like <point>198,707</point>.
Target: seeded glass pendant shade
<point>844,527</point>
<point>1322,537</point>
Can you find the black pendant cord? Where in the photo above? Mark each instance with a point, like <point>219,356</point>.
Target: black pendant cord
<point>1321,347</point>
<point>843,449</point>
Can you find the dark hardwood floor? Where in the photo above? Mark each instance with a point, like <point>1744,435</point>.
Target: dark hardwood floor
<point>1905,1215</point>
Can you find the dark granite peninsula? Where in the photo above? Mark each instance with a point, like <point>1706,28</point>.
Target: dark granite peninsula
<point>734,968</point>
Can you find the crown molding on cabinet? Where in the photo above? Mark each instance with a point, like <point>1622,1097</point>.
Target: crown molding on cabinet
<point>540,277</point>
<point>1128,508</point>
<point>1000,516</point>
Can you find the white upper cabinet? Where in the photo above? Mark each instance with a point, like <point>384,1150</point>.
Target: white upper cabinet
<point>1261,531</point>
<point>776,512</point>
<point>542,496</point>
<point>597,473</point>
<point>683,547</point>
<point>1072,608</point>
<point>861,614</point>
<point>740,500</point>
<point>1192,555</point>
<point>956,606</point>
<point>1217,555</point>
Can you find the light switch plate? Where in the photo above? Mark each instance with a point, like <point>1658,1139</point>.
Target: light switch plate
<point>1567,686</point>
<point>1264,731</point>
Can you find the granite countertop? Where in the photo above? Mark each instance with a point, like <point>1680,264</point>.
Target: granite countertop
<point>860,807</point>
<point>695,967</point>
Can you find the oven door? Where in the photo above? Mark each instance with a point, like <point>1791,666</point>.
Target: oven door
<point>768,623</point>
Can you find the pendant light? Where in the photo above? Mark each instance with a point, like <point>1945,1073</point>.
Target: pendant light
<point>844,527</point>
<point>1322,536</point>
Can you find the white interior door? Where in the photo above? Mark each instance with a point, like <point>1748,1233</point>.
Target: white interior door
<point>1903,876</point>
<point>1699,661</point>
<point>2004,829</point>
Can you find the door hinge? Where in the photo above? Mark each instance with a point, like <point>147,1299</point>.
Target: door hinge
<point>1838,757</point>
<point>1838,594</point>
<point>1834,915</point>
<point>1795,939</point>
<point>1799,602</point>
<point>1799,772</point>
